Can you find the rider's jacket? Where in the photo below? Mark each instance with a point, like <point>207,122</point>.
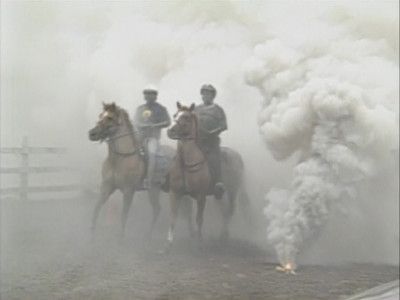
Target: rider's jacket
<point>211,119</point>
<point>151,114</point>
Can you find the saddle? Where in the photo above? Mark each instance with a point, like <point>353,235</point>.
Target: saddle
<point>163,159</point>
<point>206,150</point>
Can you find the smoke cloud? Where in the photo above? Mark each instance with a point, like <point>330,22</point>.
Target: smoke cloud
<point>327,74</point>
<point>333,99</point>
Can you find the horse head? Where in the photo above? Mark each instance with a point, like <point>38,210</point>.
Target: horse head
<point>108,123</point>
<point>185,126</point>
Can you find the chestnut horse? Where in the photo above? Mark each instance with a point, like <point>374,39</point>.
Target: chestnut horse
<point>190,175</point>
<point>124,168</point>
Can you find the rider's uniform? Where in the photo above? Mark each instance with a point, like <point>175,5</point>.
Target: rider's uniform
<point>149,119</point>
<point>212,121</point>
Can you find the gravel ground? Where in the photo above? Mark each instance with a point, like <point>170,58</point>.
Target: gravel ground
<point>47,254</point>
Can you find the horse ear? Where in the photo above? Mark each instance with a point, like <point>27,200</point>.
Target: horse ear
<point>178,105</point>
<point>191,108</point>
<point>111,107</point>
<point>104,105</point>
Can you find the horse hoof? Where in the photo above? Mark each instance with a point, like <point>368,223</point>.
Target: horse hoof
<point>219,190</point>
<point>166,250</point>
<point>224,236</point>
<point>121,239</point>
<point>92,234</point>
<point>163,252</point>
<point>199,237</point>
<point>148,237</point>
<point>201,248</point>
<point>199,240</point>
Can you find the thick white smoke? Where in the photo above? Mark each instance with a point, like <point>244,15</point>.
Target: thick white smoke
<point>327,72</point>
<point>61,60</point>
<point>333,100</point>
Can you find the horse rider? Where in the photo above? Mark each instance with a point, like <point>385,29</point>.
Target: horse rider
<point>149,119</point>
<point>212,121</point>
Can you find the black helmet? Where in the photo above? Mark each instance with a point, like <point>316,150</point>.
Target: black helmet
<point>150,89</point>
<point>208,87</point>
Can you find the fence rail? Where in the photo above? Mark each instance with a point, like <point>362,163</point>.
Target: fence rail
<point>19,170</point>
<point>41,189</point>
<point>24,170</point>
<point>33,150</point>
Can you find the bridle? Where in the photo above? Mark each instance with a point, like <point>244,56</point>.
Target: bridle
<point>191,168</point>
<point>111,142</point>
<point>188,138</point>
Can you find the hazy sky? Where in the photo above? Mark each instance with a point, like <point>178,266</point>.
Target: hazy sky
<point>60,60</point>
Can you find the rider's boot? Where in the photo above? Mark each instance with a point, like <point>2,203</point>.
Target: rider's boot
<point>146,184</point>
<point>219,190</point>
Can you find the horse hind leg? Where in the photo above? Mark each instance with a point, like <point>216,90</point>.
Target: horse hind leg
<point>154,198</point>
<point>188,212</point>
<point>246,208</point>
<point>174,200</point>
<point>226,211</point>
<point>128,197</point>
<point>105,191</point>
<point>201,203</point>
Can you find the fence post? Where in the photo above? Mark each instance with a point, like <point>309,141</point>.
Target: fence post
<point>24,169</point>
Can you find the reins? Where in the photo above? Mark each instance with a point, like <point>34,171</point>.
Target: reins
<point>112,145</point>
<point>190,167</point>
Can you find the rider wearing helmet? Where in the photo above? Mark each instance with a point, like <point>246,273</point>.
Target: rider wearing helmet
<point>212,121</point>
<point>149,119</point>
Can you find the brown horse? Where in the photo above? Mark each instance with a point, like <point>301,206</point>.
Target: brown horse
<point>190,175</point>
<point>124,167</point>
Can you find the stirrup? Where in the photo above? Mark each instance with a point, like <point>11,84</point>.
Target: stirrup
<point>146,184</point>
<point>142,152</point>
<point>219,190</point>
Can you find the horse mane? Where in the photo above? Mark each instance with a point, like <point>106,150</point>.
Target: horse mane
<point>196,127</point>
<point>196,121</point>
<point>125,117</point>
<point>123,114</point>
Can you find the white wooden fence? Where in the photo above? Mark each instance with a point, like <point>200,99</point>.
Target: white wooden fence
<point>25,170</point>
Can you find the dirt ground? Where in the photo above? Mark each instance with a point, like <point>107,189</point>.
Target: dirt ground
<point>47,254</point>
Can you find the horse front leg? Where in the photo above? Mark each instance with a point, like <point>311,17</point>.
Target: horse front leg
<point>174,200</point>
<point>188,210</point>
<point>106,190</point>
<point>128,197</point>
<point>154,198</point>
<point>226,207</point>
<point>201,203</point>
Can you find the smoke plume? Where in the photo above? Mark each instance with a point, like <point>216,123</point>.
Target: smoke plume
<point>327,73</point>
<point>332,100</point>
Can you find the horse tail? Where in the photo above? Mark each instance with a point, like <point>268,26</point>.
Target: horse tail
<point>245,205</point>
<point>243,197</point>
<point>165,184</point>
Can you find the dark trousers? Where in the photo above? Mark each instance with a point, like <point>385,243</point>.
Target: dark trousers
<point>211,149</point>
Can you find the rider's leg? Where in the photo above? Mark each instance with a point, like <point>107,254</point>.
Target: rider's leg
<point>217,151</point>
<point>215,156</point>
<point>207,149</point>
<point>152,148</point>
